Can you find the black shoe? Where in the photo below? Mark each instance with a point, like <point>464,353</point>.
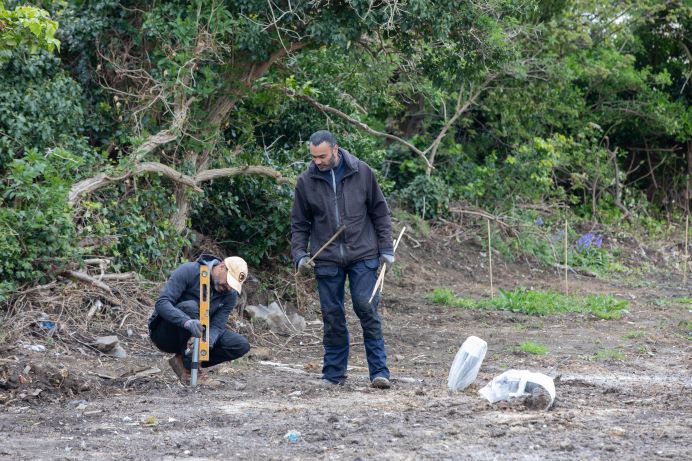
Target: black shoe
<point>381,383</point>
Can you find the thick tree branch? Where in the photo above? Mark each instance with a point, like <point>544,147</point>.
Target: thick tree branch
<point>244,170</point>
<point>101,180</point>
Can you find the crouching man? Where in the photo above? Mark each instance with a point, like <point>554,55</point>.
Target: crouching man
<point>175,319</point>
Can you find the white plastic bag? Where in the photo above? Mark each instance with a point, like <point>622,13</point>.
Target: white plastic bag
<point>466,363</point>
<point>518,383</point>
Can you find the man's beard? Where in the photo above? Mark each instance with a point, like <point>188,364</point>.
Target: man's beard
<point>332,163</point>
<point>217,285</point>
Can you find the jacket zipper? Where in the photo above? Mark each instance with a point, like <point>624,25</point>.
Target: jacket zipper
<point>338,220</point>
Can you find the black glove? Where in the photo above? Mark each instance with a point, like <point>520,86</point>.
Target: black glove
<point>194,327</point>
<point>305,265</point>
<point>387,258</point>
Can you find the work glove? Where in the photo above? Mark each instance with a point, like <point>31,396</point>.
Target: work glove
<point>305,265</point>
<point>194,327</point>
<point>387,258</point>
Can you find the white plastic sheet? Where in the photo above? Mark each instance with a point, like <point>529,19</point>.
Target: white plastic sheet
<point>518,383</point>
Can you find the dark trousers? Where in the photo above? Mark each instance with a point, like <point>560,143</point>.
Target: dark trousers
<point>173,339</point>
<point>331,280</point>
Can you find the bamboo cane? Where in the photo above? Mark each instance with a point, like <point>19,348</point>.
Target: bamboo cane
<point>566,285</point>
<point>490,261</point>
<point>687,250</point>
<point>380,279</point>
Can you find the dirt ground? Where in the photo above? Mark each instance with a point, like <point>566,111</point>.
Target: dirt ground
<point>623,386</point>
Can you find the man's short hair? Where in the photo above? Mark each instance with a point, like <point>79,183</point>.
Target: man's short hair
<point>318,137</point>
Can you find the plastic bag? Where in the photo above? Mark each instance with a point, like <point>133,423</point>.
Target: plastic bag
<point>466,363</point>
<point>519,383</point>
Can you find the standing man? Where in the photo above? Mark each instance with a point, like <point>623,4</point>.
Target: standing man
<point>338,190</point>
<point>176,315</point>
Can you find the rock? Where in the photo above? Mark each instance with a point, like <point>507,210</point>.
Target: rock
<point>276,319</point>
<point>260,353</point>
<point>109,345</point>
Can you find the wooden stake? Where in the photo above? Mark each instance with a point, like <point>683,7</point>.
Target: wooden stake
<point>490,260</point>
<point>687,251</point>
<point>566,266</point>
<point>380,278</point>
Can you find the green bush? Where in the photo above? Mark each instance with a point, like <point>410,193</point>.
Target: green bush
<point>426,196</point>
<point>37,230</point>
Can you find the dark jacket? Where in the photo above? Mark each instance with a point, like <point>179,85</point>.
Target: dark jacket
<point>183,285</point>
<point>357,203</point>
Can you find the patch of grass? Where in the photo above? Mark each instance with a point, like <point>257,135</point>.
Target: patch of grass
<point>535,302</point>
<point>633,334</point>
<point>610,354</point>
<point>684,302</point>
<point>533,348</point>
<point>446,297</point>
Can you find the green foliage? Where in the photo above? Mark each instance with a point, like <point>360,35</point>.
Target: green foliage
<point>531,347</point>
<point>37,231</point>
<point>426,196</point>
<point>26,26</point>
<point>133,222</point>
<point>248,216</point>
<point>533,302</point>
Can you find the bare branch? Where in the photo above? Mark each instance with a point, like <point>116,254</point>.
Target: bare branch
<point>359,124</point>
<point>101,180</point>
<point>243,170</point>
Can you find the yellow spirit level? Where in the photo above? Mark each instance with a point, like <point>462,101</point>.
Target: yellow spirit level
<point>204,296</point>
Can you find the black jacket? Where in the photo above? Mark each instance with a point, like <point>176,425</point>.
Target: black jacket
<point>357,203</point>
<point>183,285</point>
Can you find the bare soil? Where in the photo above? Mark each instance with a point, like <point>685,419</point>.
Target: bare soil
<point>623,386</point>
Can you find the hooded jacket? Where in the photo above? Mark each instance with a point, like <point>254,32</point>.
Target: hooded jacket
<point>321,206</point>
<point>183,285</point>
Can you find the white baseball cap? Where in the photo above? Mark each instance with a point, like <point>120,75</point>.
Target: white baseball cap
<point>237,272</point>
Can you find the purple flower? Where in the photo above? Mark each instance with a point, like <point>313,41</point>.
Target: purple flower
<point>539,221</point>
<point>589,240</point>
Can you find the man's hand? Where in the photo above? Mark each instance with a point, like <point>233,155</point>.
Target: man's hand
<point>305,265</point>
<point>194,327</point>
<point>387,258</point>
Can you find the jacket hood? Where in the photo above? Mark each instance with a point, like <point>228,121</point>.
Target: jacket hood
<point>208,259</point>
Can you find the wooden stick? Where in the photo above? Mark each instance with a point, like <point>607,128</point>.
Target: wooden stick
<point>336,234</point>
<point>687,251</point>
<point>566,265</point>
<point>380,279</point>
<point>490,261</point>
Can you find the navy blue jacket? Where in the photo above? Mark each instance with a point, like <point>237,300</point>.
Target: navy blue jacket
<point>322,204</point>
<point>183,285</point>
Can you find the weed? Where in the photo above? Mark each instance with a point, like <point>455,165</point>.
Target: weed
<point>610,354</point>
<point>534,302</point>
<point>533,348</point>
<point>632,334</point>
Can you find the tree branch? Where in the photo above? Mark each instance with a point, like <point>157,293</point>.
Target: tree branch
<point>359,124</point>
<point>244,170</point>
<point>102,179</point>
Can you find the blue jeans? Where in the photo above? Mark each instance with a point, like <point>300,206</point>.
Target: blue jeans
<point>331,280</point>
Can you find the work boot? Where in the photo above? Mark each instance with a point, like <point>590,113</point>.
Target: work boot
<point>176,363</point>
<point>381,383</point>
